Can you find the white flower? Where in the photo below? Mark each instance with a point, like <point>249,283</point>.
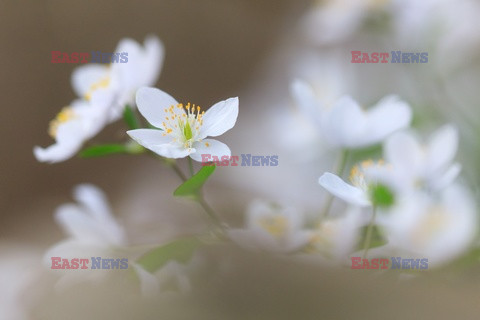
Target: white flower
<point>272,228</point>
<point>439,229</point>
<point>429,165</point>
<point>336,238</point>
<point>119,80</point>
<point>73,126</point>
<point>104,91</point>
<point>183,127</point>
<point>356,193</point>
<point>171,278</point>
<point>345,124</point>
<point>92,231</point>
<point>412,167</point>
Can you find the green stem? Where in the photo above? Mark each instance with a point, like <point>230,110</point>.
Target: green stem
<point>368,237</point>
<point>200,199</point>
<point>190,166</point>
<point>340,167</point>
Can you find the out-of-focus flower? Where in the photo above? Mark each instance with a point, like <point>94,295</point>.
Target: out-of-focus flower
<point>104,92</point>
<point>358,193</point>
<point>439,229</point>
<point>336,238</point>
<point>272,228</point>
<point>430,165</point>
<point>71,128</point>
<point>173,277</point>
<point>183,127</point>
<point>92,231</point>
<point>345,124</point>
<point>121,80</point>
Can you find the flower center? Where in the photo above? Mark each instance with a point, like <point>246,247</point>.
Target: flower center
<point>66,114</point>
<point>276,226</point>
<point>184,123</point>
<point>100,84</point>
<point>357,174</point>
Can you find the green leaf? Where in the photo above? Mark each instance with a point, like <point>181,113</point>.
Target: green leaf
<point>103,150</point>
<point>377,238</point>
<point>192,187</point>
<point>130,118</point>
<point>381,196</point>
<point>179,250</point>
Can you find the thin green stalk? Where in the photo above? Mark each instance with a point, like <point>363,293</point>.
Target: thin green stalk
<point>190,166</point>
<point>200,199</point>
<point>368,237</point>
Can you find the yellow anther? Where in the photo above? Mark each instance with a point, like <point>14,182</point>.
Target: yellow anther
<point>63,116</point>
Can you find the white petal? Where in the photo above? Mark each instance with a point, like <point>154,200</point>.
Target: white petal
<point>152,102</point>
<point>85,76</point>
<point>93,199</point>
<point>96,206</point>
<point>73,220</point>
<point>56,152</point>
<point>149,285</point>
<point>447,177</point>
<point>306,100</point>
<point>171,150</point>
<point>149,137</point>
<point>343,190</point>
<point>442,148</point>
<point>344,124</point>
<point>386,117</point>
<point>220,118</point>
<point>153,61</point>
<point>404,153</point>
<point>211,147</point>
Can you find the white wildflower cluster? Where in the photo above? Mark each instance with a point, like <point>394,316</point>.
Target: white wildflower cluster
<point>395,191</point>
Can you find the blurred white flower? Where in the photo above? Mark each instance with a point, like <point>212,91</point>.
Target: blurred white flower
<point>357,193</point>
<point>120,81</point>
<point>104,91</point>
<point>336,238</point>
<point>73,126</point>
<point>92,231</point>
<point>272,228</point>
<point>183,127</point>
<point>429,165</point>
<point>439,229</point>
<point>173,277</point>
<point>345,124</point>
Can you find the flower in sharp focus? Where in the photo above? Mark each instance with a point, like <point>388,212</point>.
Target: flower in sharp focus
<point>272,228</point>
<point>183,127</point>
<point>119,81</point>
<point>366,185</point>
<point>91,227</point>
<point>430,165</point>
<point>439,229</point>
<point>345,124</point>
